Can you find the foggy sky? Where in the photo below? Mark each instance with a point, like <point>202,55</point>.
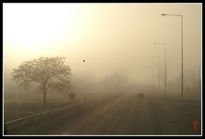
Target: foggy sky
<point>110,37</point>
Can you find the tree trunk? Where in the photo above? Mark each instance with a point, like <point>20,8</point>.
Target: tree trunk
<point>44,97</point>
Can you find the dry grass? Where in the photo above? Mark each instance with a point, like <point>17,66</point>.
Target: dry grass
<point>17,105</point>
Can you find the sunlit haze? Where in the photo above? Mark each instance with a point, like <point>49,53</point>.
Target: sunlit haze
<point>102,69</point>
<point>110,37</point>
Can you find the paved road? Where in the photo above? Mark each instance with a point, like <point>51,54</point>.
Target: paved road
<point>120,115</point>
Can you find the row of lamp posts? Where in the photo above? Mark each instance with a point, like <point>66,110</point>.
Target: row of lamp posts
<point>164,44</point>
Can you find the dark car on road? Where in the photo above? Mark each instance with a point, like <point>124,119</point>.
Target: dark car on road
<point>140,95</point>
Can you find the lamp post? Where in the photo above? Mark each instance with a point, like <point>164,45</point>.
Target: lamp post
<point>182,84</point>
<point>165,67</point>
<point>199,77</point>
<point>153,85</point>
<point>158,74</point>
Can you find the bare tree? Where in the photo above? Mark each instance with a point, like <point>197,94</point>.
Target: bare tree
<point>47,72</point>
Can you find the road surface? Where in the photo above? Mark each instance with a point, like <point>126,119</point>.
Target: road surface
<point>119,114</point>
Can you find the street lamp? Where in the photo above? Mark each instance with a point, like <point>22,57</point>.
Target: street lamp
<point>182,91</point>
<point>158,74</point>
<point>153,76</point>
<point>199,77</point>
<point>165,70</point>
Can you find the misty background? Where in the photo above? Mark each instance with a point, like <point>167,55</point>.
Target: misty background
<point>115,40</point>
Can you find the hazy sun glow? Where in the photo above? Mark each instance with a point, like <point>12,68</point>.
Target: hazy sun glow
<point>110,37</point>
<point>37,27</point>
